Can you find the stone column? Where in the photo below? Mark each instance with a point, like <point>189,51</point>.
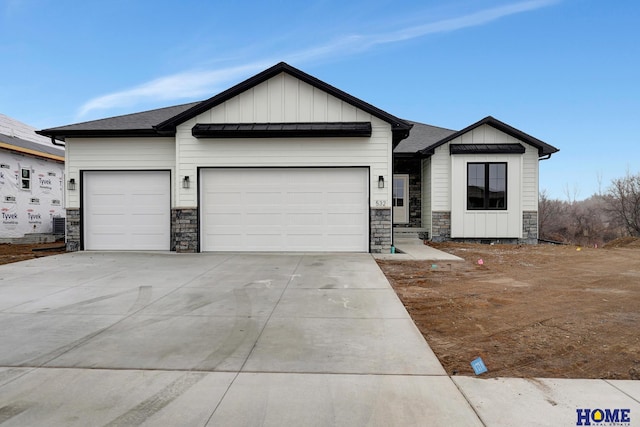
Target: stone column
<point>72,237</point>
<point>529,227</point>
<point>184,230</point>
<point>441,226</point>
<point>380,225</point>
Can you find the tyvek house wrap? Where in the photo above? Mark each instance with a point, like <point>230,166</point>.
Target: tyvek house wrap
<point>31,210</point>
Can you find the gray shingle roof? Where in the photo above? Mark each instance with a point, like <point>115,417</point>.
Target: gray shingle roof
<point>422,136</point>
<point>136,123</point>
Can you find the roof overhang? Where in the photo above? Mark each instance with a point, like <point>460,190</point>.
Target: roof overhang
<point>282,130</point>
<point>544,149</point>
<point>62,134</point>
<point>31,152</point>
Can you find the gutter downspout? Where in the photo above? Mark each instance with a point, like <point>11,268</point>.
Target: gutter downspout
<point>54,142</point>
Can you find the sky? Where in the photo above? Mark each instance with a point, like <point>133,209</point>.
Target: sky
<point>564,71</point>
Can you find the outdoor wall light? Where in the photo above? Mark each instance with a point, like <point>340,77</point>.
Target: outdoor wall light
<point>380,181</point>
<point>185,182</point>
<point>71,185</point>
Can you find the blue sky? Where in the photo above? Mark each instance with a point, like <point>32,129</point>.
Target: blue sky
<point>564,71</point>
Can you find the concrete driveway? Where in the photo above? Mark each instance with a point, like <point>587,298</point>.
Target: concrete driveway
<point>95,338</point>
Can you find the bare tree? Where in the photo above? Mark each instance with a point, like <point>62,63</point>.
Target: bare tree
<point>549,214</point>
<point>623,198</point>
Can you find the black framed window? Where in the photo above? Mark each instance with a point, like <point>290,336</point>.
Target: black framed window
<point>486,186</point>
<point>25,179</point>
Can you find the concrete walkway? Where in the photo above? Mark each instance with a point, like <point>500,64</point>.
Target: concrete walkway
<point>416,250</point>
<point>160,339</point>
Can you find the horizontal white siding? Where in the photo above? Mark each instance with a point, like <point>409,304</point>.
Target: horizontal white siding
<point>285,99</point>
<point>116,154</point>
<point>426,195</point>
<point>530,179</point>
<point>441,179</point>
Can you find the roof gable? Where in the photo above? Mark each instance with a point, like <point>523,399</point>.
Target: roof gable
<point>544,149</point>
<point>400,128</point>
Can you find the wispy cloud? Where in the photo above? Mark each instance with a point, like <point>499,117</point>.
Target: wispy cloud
<point>195,84</point>
<point>190,84</point>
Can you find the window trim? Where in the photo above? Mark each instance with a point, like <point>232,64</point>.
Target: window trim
<point>487,206</point>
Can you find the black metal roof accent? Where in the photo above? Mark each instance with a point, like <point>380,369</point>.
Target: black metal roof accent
<point>543,148</point>
<point>282,130</point>
<point>486,149</point>
<point>399,127</point>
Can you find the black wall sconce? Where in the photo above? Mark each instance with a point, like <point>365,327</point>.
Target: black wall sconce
<point>380,181</point>
<point>185,182</point>
<point>71,184</point>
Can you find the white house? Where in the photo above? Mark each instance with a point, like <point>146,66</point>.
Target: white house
<point>477,184</point>
<point>31,180</point>
<point>279,162</point>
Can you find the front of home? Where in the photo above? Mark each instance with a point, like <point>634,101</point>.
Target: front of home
<point>279,162</point>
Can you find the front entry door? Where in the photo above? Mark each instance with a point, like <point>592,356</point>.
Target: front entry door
<point>400,199</point>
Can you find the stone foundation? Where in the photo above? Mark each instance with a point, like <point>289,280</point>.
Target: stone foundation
<point>380,234</point>
<point>184,230</point>
<point>441,226</point>
<point>72,237</point>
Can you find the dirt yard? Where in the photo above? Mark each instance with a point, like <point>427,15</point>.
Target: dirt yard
<point>14,253</point>
<point>528,311</point>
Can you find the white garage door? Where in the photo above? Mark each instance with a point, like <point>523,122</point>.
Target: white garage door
<point>285,209</point>
<point>127,210</point>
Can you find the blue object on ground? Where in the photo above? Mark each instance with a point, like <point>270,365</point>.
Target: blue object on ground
<point>478,366</point>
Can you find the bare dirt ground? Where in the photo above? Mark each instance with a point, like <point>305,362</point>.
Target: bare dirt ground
<point>14,253</point>
<point>530,310</point>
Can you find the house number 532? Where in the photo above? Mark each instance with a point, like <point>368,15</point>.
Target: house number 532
<point>381,203</point>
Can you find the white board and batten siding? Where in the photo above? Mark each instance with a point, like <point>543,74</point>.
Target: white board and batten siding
<point>449,186</point>
<point>284,98</point>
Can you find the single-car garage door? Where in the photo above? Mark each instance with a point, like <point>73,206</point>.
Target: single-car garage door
<point>285,209</point>
<point>126,210</point>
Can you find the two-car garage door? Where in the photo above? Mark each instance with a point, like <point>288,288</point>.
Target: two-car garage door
<point>284,209</point>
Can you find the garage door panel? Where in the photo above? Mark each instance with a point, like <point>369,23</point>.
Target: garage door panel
<point>288,209</point>
<point>126,210</point>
